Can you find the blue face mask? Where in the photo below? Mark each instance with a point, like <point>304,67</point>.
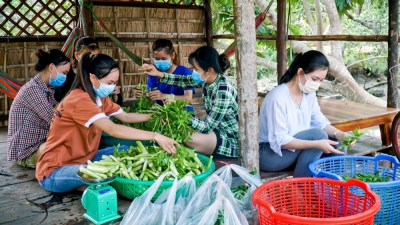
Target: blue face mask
<point>197,77</point>
<point>58,81</point>
<point>163,65</point>
<point>104,90</point>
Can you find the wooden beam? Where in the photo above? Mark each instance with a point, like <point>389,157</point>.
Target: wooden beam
<point>87,20</point>
<point>38,38</point>
<point>358,38</point>
<point>393,54</point>
<point>281,38</point>
<point>208,22</point>
<point>246,83</point>
<point>145,4</point>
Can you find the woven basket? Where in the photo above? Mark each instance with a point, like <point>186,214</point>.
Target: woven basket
<point>135,188</point>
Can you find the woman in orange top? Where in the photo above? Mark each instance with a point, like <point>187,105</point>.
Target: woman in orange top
<point>78,121</point>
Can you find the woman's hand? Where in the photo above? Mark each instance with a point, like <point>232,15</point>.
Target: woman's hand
<point>341,135</point>
<point>326,146</point>
<point>151,70</point>
<point>166,143</point>
<point>137,92</point>
<point>116,91</point>
<point>156,95</point>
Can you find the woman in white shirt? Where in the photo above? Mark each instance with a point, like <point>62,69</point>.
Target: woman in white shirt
<point>293,129</point>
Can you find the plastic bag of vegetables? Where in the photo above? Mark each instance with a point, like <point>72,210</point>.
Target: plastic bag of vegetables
<point>213,204</point>
<point>242,187</point>
<point>143,211</point>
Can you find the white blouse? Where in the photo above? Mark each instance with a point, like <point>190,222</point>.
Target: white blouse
<point>281,118</point>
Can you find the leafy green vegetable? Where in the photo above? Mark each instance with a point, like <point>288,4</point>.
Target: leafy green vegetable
<point>172,120</point>
<point>348,139</point>
<point>370,177</point>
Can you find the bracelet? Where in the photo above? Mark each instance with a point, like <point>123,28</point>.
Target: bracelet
<point>334,134</point>
<point>154,134</point>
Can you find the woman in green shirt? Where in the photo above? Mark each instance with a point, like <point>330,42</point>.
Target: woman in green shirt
<point>217,132</point>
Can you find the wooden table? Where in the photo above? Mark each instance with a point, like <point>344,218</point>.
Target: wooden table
<point>347,116</point>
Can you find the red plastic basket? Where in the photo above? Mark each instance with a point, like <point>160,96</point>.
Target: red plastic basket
<point>315,201</point>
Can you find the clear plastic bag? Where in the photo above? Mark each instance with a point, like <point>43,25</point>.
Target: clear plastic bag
<point>143,211</point>
<point>212,202</point>
<point>253,181</point>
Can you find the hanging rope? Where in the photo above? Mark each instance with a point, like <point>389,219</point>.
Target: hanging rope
<point>136,59</point>
<point>258,21</point>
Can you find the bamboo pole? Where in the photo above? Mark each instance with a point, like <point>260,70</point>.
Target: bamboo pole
<point>393,54</point>
<point>5,71</point>
<point>281,39</point>
<point>357,38</point>
<point>121,69</point>
<point>179,52</point>
<point>87,20</point>
<point>26,63</point>
<point>208,22</point>
<point>246,83</point>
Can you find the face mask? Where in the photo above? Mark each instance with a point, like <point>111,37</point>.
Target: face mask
<point>197,77</point>
<point>104,90</point>
<point>163,65</point>
<point>58,81</point>
<point>309,86</point>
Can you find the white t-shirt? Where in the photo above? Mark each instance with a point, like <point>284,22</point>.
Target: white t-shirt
<point>281,118</point>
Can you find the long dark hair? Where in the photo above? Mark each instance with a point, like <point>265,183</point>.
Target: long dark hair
<point>84,43</point>
<point>54,56</point>
<point>166,46</point>
<point>207,57</point>
<point>309,61</point>
<point>100,65</point>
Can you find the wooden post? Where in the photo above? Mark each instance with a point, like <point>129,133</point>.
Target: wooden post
<point>245,37</point>
<point>393,54</point>
<point>208,22</point>
<point>120,65</point>
<point>87,20</point>
<point>281,38</point>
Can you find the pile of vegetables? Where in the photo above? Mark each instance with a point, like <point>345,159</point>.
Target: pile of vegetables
<point>348,139</point>
<point>141,163</point>
<point>370,177</point>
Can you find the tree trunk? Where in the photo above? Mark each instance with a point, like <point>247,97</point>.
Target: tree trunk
<point>393,54</point>
<point>309,16</point>
<point>246,83</point>
<point>87,20</point>
<point>333,16</point>
<point>351,90</point>
<point>318,14</point>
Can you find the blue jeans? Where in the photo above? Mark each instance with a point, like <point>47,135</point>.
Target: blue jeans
<point>270,161</point>
<point>65,179</point>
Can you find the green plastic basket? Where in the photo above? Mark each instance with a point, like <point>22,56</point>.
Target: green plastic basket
<point>135,188</point>
<point>110,141</point>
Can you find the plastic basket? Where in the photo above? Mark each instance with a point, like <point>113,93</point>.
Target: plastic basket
<point>315,201</point>
<point>135,188</point>
<point>109,141</point>
<point>388,192</point>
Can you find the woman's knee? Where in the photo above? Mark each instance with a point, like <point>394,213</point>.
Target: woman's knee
<point>312,134</point>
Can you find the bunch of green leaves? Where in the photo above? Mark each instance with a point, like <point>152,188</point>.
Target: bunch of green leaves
<point>369,177</point>
<point>172,120</point>
<point>350,138</point>
<point>239,191</point>
<point>220,218</point>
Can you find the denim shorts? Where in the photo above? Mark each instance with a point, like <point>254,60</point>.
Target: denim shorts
<point>65,179</point>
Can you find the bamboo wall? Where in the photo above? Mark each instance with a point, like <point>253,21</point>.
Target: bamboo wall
<point>17,58</point>
<point>139,22</point>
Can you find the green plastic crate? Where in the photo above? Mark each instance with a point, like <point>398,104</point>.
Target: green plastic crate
<point>135,188</point>
<point>110,141</point>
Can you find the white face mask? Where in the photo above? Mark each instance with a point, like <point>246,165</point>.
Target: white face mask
<point>310,86</point>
